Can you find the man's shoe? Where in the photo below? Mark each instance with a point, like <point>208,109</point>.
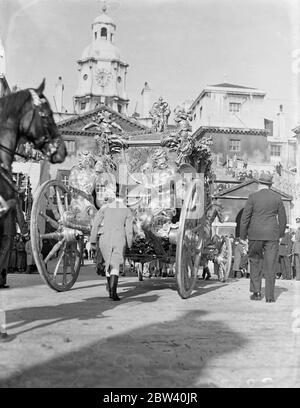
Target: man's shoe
<point>4,286</point>
<point>256,296</point>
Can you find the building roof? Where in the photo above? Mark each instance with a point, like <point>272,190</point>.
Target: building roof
<point>101,49</point>
<point>226,85</point>
<point>103,18</point>
<point>228,88</point>
<point>220,129</point>
<point>243,186</point>
<point>78,121</point>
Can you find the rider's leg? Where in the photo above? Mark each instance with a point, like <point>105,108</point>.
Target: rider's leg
<point>114,277</point>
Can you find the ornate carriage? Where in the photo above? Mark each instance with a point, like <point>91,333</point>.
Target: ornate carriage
<point>171,198</point>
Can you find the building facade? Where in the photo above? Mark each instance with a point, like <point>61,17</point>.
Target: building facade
<point>281,141</point>
<point>4,87</point>
<point>228,105</point>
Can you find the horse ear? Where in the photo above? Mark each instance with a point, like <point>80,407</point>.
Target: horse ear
<point>41,88</point>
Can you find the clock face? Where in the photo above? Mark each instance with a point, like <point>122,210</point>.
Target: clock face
<point>102,76</point>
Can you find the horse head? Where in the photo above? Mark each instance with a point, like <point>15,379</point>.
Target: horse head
<point>37,125</point>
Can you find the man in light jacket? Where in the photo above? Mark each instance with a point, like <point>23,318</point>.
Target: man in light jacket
<point>114,225</point>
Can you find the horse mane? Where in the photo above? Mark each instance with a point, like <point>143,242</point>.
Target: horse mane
<point>12,104</point>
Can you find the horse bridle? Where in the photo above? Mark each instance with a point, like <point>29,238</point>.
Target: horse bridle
<point>53,145</point>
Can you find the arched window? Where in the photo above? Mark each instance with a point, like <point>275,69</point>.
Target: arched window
<point>103,32</point>
<point>95,35</point>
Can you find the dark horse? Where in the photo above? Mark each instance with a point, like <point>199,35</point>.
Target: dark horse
<point>25,116</point>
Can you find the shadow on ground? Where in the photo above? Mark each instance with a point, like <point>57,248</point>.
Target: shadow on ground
<point>139,287</point>
<point>168,354</point>
<point>85,309</point>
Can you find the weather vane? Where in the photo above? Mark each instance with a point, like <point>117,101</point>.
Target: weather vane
<point>111,5</point>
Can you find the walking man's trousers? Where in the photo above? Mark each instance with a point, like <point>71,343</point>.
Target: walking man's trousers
<point>263,257</point>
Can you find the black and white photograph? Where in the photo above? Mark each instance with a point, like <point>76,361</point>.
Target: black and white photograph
<point>149,197</point>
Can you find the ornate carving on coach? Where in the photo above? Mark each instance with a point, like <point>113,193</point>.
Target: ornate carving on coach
<point>160,113</point>
<point>190,150</point>
<point>107,140</point>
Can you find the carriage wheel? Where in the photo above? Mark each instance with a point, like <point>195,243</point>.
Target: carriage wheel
<point>224,260</point>
<point>57,250</point>
<point>189,239</point>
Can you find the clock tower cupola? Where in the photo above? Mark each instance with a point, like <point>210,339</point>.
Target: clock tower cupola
<point>101,70</point>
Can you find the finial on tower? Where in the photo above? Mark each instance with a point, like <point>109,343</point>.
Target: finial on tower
<point>104,7</point>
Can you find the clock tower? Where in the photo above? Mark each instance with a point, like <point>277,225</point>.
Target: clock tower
<point>101,70</point>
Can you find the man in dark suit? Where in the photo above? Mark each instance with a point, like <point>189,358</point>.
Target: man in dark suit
<point>296,250</point>
<point>263,222</point>
<point>7,233</point>
<point>285,252</point>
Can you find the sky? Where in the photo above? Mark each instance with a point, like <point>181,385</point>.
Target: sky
<point>177,46</point>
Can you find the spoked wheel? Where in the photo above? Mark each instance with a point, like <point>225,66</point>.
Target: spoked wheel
<point>189,239</point>
<point>224,260</point>
<point>57,250</point>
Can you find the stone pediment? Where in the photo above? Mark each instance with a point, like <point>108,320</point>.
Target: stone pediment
<point>77,122</point>
<point>243,190</point>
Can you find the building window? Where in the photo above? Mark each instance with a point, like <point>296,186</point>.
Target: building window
<point>70,145</point>
<point>234,107</point>
<point>195,116</point>
<point>82,105</point>
<point>119,79</point>
<point>119,108</point>
<point>275,150</point>
<point>200,111</point>
<point>95,35</point>
<point>234,145</point>
<point>85,77</point>
<point>103,32</point>
<point>111,36</point>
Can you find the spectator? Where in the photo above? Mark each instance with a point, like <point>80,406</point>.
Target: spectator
<point>21,255</point>
<point>13,218</point>
<point>278,168</point>
<point>285,252</point>
<point>264,222</point>
<point>244,259</point>
<point>237,256</point>
<point>12,264</point>
<point>296,250</point>
<point>30,264</point>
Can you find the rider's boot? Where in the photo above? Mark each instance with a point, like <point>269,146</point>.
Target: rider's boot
<point>113,286</point>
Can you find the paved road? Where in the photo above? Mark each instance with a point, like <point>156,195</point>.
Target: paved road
<point>152,338</point>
